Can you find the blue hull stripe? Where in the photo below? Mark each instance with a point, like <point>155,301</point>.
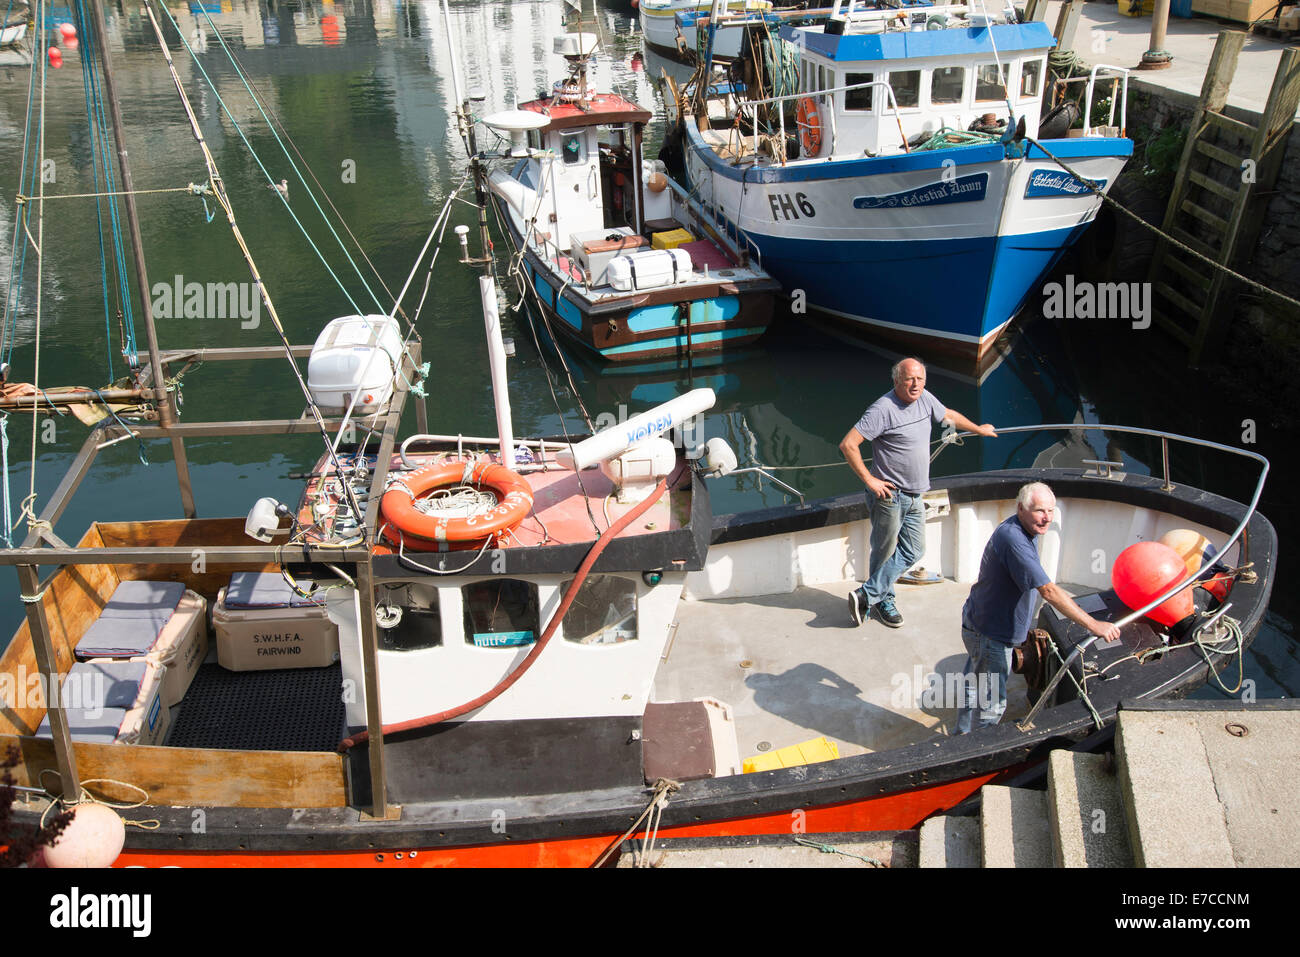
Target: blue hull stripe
<point>962,288</point>
<point>679,341</point>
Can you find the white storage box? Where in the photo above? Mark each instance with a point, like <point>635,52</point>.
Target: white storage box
<point>360,354</point>
<point>108,702</point>
<point>595,249</point>
<point>650,270</point>
<point>260,624</point>
<point>179,648</point>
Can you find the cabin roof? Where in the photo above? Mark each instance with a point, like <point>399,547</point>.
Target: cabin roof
<point>902,45</point>
<point>603,109</point>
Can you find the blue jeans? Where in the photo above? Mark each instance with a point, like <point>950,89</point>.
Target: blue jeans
<point>984,680</point>
<point>897,541</point>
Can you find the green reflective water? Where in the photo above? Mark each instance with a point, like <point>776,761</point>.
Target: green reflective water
<point>363,93</point>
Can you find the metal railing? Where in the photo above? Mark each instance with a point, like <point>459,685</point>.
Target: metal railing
<point>699,213</point>
<point>1115,74</point>
<point>751,106</point>
<point>1182,583</point>
<point>1164,437</point>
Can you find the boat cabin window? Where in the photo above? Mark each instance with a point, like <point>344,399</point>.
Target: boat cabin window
<point>947,85</point>
<point>573,148</point>
<point>907,88</point>
<point>990,84</point>
<point>603,612</point>
<point>535,140</point>
<point>500,613</point>
<point>408,618</point>
<point>857,99</point>
<point>1031,75</point>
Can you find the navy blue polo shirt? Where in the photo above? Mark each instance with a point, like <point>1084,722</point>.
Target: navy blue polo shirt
<point>999,603</point>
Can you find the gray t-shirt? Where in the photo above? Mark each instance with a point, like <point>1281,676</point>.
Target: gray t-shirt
<point>899,434</point>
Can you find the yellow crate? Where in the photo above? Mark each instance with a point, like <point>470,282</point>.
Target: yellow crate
<point>671,239</point>
<point>809,752</point>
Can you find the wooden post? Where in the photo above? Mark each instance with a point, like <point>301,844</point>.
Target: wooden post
<point>48,661</point>
<point>1067,22</point>
<point>1157,58</point>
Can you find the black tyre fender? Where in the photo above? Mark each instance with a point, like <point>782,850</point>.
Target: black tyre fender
<point>1057,122</point>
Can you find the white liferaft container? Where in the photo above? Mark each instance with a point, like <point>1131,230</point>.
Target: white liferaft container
<point>649,270</point>
<point>355,354</point>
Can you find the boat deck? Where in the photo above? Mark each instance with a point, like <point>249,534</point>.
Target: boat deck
<point>793,667</point>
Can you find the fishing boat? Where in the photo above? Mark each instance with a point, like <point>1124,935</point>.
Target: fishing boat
<point>668,26</point>
<point>611,251</point>
<point>13,28</point>
<point>913,151</point>
<point>456,650</point>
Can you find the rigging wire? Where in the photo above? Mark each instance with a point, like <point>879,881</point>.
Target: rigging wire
<point>219,192</point>
<point>252,152</point>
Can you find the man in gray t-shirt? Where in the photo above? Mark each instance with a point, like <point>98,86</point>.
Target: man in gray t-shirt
<point>898,427</point>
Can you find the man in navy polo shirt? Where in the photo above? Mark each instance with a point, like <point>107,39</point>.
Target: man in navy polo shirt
<point>995,617</point>
<point>898,427</point>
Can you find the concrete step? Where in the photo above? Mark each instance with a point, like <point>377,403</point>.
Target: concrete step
<point>1086,813</point>
<point>1014,828</point>
<point>950,842</point>
<point>1211,788</point>
<point>1175,818</point>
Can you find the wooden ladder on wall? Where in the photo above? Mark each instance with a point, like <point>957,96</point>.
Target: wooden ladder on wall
<point>1217,203</point>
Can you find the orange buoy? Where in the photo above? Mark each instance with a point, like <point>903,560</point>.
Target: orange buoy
<point>810,127</point>
<point>515,501</point>
<point>1192,547</point>
<point>1197,551</point>
<point>1144,572</point>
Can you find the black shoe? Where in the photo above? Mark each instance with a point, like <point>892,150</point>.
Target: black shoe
<point>858,606</point>
<point>885,612</point>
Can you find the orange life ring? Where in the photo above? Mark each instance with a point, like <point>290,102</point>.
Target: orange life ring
<point>514,502</point>
<point>810,127</point>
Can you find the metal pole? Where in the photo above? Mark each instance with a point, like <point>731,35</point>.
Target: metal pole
<point>166,409</point>
<point>47,660</point>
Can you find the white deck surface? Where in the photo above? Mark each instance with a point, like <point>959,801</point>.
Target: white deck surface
<point>794,667</point>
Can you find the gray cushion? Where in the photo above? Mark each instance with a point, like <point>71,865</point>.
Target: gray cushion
<point>111,684</point>
<point>265,590</point>
<point>101,729</point>
<point>119,637</point>
<point>140,599</point>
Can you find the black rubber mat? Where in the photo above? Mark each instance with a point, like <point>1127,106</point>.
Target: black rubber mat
<point>295,709</point>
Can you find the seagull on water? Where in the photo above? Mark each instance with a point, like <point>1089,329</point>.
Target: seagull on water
<point>281,187</point>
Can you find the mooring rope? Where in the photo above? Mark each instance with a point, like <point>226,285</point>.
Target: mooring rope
<point>1212,263</point>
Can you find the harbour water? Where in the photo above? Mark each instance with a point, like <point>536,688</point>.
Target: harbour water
<point>363,92</point>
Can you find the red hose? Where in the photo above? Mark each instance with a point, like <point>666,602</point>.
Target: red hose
<point>597,547</point>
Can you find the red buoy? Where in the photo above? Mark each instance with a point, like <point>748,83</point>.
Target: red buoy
<point>68,31</point>
<point>1144,572</point>
<point>56,58</point>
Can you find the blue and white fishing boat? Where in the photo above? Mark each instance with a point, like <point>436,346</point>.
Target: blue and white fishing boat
<point>668,26</point>
<point>613,253</point>
<point>918,195</point>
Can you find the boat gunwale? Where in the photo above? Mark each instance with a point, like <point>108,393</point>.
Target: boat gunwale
<point>839,782</point>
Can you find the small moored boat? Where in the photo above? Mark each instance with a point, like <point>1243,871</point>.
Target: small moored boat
<point>612,252</point>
